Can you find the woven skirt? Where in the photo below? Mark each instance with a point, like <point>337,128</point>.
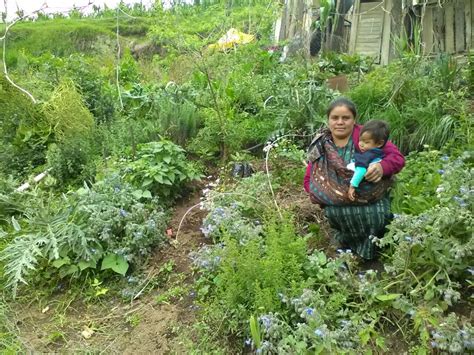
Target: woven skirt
<point>353,225</point>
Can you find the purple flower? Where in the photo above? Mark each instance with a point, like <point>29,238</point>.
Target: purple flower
<point>441,171</point>
<point>309,311</point>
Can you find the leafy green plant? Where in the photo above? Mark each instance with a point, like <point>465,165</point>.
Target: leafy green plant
<point>162,168</point>
<point>412,97</point>
<point>72,161</point>
<point>250,276</point>
<point>415,190</point>
<point>100,227</point>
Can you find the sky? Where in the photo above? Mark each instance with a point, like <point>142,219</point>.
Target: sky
<point>53,6</point>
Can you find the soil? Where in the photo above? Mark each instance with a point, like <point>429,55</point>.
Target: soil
<point>115,326</point>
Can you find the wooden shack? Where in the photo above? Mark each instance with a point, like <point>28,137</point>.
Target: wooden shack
<point>372,27</point>
<point>446,25</point>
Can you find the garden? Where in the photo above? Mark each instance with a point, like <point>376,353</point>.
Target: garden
<point>170,215</point>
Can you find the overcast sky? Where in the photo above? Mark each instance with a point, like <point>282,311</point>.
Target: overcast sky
<point>53,6</point>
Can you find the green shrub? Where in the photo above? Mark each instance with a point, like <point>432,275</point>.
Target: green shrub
<point>71,124</point>
<point>72,161</point>
<point>66,114</point>
<point>421,100</point>
<point>252,272</point>
<point>162,168</point>
<point>23,132</point>
<point>98,228</point>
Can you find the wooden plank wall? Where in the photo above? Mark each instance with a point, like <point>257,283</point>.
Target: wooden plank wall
<point>367,29</point>
<point>447,28</point>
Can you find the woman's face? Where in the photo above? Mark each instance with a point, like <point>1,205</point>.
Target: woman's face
<point>341,122</point>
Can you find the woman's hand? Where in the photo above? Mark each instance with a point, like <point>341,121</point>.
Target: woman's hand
<point>351,193</point>
<point>374,172</point>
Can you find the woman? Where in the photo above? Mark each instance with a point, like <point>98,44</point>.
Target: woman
<point>327,181</point>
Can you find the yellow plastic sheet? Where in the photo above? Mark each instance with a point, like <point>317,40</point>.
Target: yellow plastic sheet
<point>232,38</point>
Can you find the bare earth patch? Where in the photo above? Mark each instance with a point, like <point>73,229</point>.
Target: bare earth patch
<point>143,325</point>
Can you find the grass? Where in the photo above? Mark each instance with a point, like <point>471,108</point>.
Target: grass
<point>9,342</point>
<point>63,37</point>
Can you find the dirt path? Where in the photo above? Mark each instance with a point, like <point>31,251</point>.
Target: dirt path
<point>152,323</point>
<point>159,328</point>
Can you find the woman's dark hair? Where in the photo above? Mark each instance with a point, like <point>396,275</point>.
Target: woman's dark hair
<point>379,130</point>
<point>342,101</point>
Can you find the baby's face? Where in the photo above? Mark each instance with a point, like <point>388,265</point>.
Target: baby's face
<point>366,142</point>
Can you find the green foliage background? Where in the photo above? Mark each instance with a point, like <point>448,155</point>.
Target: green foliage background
<point>123,137</point>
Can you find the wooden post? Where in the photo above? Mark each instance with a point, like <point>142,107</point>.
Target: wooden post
<point>354,27</point>
<point>468,21</point>
<point>427,30</point>
<point>396,18</point>
<point>386,33</point>
<point>449,21</point>
<point>460,39</point>
<point>439,30</point>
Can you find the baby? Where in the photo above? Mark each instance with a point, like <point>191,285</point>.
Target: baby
<point>373,137</point>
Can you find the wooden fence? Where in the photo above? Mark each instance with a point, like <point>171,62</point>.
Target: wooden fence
<point>447,26</point>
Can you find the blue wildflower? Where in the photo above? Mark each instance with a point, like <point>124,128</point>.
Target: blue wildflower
<point>123,213</point>
<point>441,171</point>
<point>309,311</point>
<point>463,190</point>
<point>295,300</point>
<point>468,344</point>
<point>460,201</point>
<point>132,279</point>
<point>318,332</point>
<point>345,323</point>
<point>266,321</point>
<point>444,158</point>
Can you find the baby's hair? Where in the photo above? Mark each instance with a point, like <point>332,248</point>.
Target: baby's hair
<point>379,130</point>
